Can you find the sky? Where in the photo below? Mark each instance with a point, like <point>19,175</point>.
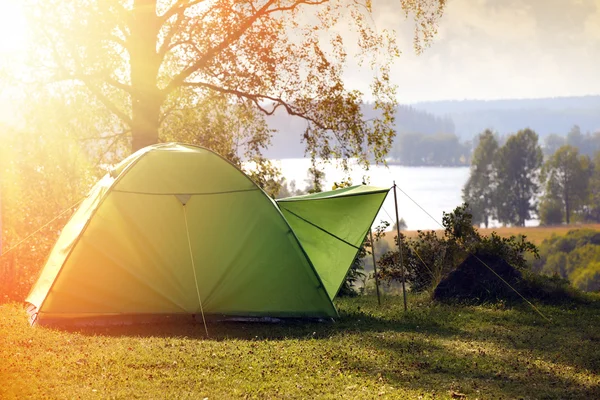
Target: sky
<point>494,49</point>
<point>485,49</point>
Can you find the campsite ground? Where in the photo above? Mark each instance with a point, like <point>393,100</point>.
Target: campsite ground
<point>433,351</point>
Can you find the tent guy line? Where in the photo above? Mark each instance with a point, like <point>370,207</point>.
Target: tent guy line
<point>20,242</point>
<point>187,231</point>
<point>537,310</point>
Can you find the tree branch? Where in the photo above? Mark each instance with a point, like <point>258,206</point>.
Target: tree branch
<point>256,98</point>
<point>86,80</point>
<point>119,85</point>
<point>177,8</point>
<point>298,3</point>
<point>183,75</point>
<point>165,47</point>
<point>107,103</point>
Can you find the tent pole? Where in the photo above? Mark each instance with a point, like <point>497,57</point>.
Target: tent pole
<point>400,249</point>
<point>374,266</point>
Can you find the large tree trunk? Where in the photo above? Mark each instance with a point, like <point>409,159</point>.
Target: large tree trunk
<point>145,62</point>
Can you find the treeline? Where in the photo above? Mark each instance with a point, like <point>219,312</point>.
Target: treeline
<point>545,116</point>
<point>286,143</point>
<point>515,182</point>
<point>587,143</point>
<point>441,149</point>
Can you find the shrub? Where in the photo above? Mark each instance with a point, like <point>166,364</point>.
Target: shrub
<point>428,258</point>
<point>574,256</point>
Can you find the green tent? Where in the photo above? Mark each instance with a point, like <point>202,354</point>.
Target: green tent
<point>177,230</point>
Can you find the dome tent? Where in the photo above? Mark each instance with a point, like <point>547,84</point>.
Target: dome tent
<point>176,229</point>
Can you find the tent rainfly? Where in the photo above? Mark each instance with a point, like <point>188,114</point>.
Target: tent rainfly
<point>176,229</point>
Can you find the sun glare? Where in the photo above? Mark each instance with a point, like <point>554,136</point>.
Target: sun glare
<point>13,29</point>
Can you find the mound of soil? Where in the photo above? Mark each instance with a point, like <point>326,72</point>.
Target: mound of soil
<point>473,282</point>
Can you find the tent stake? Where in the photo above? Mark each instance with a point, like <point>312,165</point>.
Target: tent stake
<point>400,248</point>
<point>374,266</point>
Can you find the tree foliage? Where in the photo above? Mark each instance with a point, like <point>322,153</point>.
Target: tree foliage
<point>518,167</point>
<point>479,192</point>
<point>574,256</point>
<point>42,183</point>
<point>153,64</point>
<point>504,181</point>
<point>566,175</point>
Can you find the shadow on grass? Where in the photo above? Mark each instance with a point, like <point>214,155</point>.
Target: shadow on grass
<point>434,349</point>
<point>455,373</point>
<point>356,322</point>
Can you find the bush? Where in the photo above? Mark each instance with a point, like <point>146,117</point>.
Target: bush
<point>428,258</point>
<point>574,256</point>
<point>551,213</point>
<point>588,278</point>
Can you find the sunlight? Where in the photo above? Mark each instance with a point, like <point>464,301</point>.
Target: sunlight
<point>13,32</point>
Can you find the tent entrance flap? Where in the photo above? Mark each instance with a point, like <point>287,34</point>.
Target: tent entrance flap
<point>331,227</point>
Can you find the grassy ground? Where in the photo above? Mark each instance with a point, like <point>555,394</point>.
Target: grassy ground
<point>535,234</point>
<point>432,351</point>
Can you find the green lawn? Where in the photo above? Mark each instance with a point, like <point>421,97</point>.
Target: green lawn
<point>432,351</point>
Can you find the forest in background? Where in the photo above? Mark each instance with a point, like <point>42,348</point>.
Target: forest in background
<point>444,133</point>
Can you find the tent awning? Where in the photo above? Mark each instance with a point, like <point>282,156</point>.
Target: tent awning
<point>331,227</point>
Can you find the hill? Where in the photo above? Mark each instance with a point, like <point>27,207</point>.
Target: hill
<point>465,119</point>
<point>545,116</point>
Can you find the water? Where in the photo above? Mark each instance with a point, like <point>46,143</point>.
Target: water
<point>435,189</point>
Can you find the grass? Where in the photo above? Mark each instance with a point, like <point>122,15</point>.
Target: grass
<point>433,351</point>
<point>535,234</point>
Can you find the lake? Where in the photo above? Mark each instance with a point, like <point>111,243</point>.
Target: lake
<point>435,189</point>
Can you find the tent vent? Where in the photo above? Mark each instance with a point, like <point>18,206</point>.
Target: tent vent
<point>183,198</point>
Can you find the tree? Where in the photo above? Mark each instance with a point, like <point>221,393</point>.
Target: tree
<point>518,168</point>
<point>567,176</point>
<point>42,182</point>
<point>479,189</point>
<point>593,203</point>
<point>551,212</point>
<point>553,142</point>
<point>149,61</point>
<point>401,224</point>
<point>575,138</point>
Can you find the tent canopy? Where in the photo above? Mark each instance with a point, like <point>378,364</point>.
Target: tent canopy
<point>177,229</point>
<point>331,227</point>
